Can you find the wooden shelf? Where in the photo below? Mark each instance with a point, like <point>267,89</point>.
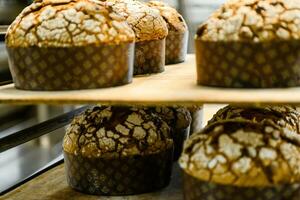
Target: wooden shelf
<point>177,85</point>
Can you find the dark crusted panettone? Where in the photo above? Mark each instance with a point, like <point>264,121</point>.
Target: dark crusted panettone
<point>175,116</point>
<point>243,153</point>
<point>68,45</point>
<point>117,132</point>
<point>239,159</point>
<point>284,116</point>
<point>118,151</point>
<point>179,119</point>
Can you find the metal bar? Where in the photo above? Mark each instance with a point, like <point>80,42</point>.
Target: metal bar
<point>6,82</point>
<point>3,29</point>
<point>38,130</point>
<point>57,161</point>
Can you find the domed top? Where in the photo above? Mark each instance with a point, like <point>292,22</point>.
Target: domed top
<point>174,20</point>
<point>176,117</point>
<point>146,22</point>
<point>284,116</point>
<point>253,20</point>
<point>243,153</point>
<point>117,132</point>
<point>67,23</point>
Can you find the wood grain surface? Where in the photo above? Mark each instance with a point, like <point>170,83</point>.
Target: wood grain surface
<point>177,85</point>
<point>52,185</point>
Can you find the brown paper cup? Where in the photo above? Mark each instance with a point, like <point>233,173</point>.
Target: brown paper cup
<point>248,64</point>
<point>35,68</point>
<point>149,57</point>
<point>176,47</point>
<point>119,176</point>
<point>195,190</point>
<point>179,136</point>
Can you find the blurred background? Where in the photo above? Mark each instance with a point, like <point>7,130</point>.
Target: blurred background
<point>22,161</point>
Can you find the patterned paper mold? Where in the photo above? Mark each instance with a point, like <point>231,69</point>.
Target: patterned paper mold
<point>67,44</point>
<point>149,57</point>
<point>179,120</point>
<point>286,117</point>
<point>118,151</point>
<point>247,64</point>
<point>150,31</point>
<point>242,158</point>
<point>177,39</point>
<point>251,44</point>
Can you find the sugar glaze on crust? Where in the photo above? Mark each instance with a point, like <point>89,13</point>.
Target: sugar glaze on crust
<point>243,153</point>
<point>117,132</point>
<point>254,21</point>
<point>68,23</point>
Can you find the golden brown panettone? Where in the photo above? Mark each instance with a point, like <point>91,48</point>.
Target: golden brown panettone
<point>117,132</point>
<point>286,117</point>
<point>145,21</point>
<point>70,45</point>
<point>68,23</point>
<point>174,20</point>
<point>244,154</point>
<point>253,20</point>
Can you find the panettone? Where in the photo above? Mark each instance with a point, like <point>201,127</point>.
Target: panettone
<point>118,151</point>
<point>253,20</point>
<point>174,20</point>
<point>67,23</point>
<point>284,116</point>
<point>245,158</point>
<point>117,132</point>
<point>179,120</point>
<point>150,32</point>
<point>68,44</point>
<point>250,44</point>
<point>146,22</point>
<point>177,39</point>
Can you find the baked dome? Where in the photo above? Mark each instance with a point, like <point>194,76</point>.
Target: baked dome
<point>68,23</point>
<point>146,22</point>
<point>176,117</point>
<point>116,132</point>
<point>284,116</point>
<point>243,153</point>
<point>253,20</point>
<point>174,20</point>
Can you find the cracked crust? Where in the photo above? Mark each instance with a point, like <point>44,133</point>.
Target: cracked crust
<point>117,132</point>
<point>253,20</point>
<point>174,20</point>
<point>242,153</point>
<point>176,117</point>
<point>146,22</point>
<point>286,117</point>
<point>67,23</point>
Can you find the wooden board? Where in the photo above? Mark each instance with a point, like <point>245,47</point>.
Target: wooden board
<point>177,85</point>
<point>52,185</point>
